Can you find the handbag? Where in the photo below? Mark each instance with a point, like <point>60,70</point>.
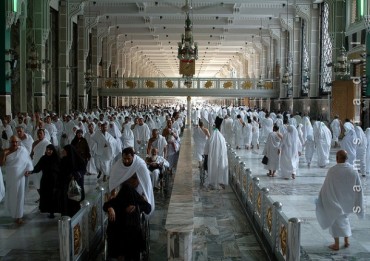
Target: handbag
<point>265,160</point>
<point>74,190</point>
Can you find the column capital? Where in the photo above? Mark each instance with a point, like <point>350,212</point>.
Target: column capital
<point>275,34</point>
<point>10,19</point>
<point>304,11</point>
<point>286,22</point>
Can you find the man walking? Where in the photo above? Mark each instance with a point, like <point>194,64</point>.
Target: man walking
<point>340,195</point>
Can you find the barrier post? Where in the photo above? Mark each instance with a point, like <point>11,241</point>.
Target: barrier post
<point>65,239</point>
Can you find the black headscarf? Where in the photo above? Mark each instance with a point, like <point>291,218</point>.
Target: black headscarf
<point>54,156</point>
<point>73,159</point>
<point>218,122</point>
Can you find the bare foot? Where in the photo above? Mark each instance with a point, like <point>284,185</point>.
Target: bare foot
<point>19,221</point>
<point>346,244</point>
<point>334,247</point>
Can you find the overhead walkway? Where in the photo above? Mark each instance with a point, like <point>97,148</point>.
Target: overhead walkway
<point>200,87</point>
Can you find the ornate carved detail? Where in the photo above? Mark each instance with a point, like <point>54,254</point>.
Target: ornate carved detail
<point>244,182</point>
<point>259,203</point>
<point>304,11</point>
<point>10,19</point>
<point>77,237</point>
<point>228,85</point>
<point>149,84</point>
<point>269,219</point>
<point>131,84</point>
<point>169,84</point>
<point>90,22</point>
<point>75,8</point>
<point>250,191</point>
<point>275,33</point>
<point>45,35</point>
<point>208,84</point>
<point>286,23</point>
<point>283,236</point>
<point>93,218</point>
<point>247,85</point>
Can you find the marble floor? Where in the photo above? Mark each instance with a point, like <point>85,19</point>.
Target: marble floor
<point>298,196</point>
<point>221,231</point>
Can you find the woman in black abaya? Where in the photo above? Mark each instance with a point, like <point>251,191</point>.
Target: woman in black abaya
<point>49,164</point>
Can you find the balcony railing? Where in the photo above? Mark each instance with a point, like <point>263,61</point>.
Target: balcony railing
<point>179,83</point>
<point>214,87</point>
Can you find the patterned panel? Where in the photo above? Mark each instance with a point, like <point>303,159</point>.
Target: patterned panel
<point>305,62</point>
<point>326,52</point>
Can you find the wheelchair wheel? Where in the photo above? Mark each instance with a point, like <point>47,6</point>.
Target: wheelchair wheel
<point>165,180</point>
<point>145,229</point>
<point>203,175</point>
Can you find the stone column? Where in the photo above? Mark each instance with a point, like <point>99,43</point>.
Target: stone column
<point>314,51</point>
<point>297,47</point>
<point>283,55</point>
<point>64,46</point>
<point>5,84</point>
<point>94,65</point>
<point>41,25</point>
<point>22,65</point>
<point>188,116</point>
<point>263,61</point>
<point>82,54</point>
<point>104,58</point>
<point>114,58</point>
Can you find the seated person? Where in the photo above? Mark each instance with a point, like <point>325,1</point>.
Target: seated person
<point>156,165</point>
<point>124,235</point>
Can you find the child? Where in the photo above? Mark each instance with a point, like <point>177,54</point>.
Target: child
<point>310,149</point>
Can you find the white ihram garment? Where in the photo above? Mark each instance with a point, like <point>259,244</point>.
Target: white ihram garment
<point>348,143</point>
<point>289,147</point>
<point>200,139</point>
<point>218,166</point>
<point>16,165</point>
<point>340,195</point>
<point>322,138</point>
<point>120,173</point>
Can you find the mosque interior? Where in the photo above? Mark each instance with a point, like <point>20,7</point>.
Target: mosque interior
<point>307,56</point>
<point>303,56</point>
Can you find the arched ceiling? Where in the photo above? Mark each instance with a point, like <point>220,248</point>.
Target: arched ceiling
<point>224,30</point>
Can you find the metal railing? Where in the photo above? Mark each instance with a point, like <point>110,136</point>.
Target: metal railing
<point>80,236</point>
<point>281,234</point>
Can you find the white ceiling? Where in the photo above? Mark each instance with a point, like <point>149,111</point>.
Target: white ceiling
<point>224,30</point>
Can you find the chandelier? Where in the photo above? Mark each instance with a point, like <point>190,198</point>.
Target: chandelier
<point>187,52</point>
<point>188,49</point>
<point>287,81</point>
<point>260,84</point>
<point>341,67</point>
<point>33,62</point>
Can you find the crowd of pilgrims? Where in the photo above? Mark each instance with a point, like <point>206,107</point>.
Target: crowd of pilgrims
<point>286,136</point>
<point>48,151</point>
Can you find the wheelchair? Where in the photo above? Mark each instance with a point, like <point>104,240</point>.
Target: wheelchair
<point>145,230</point>
<point>203,170</point>
<point>165,179</point>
